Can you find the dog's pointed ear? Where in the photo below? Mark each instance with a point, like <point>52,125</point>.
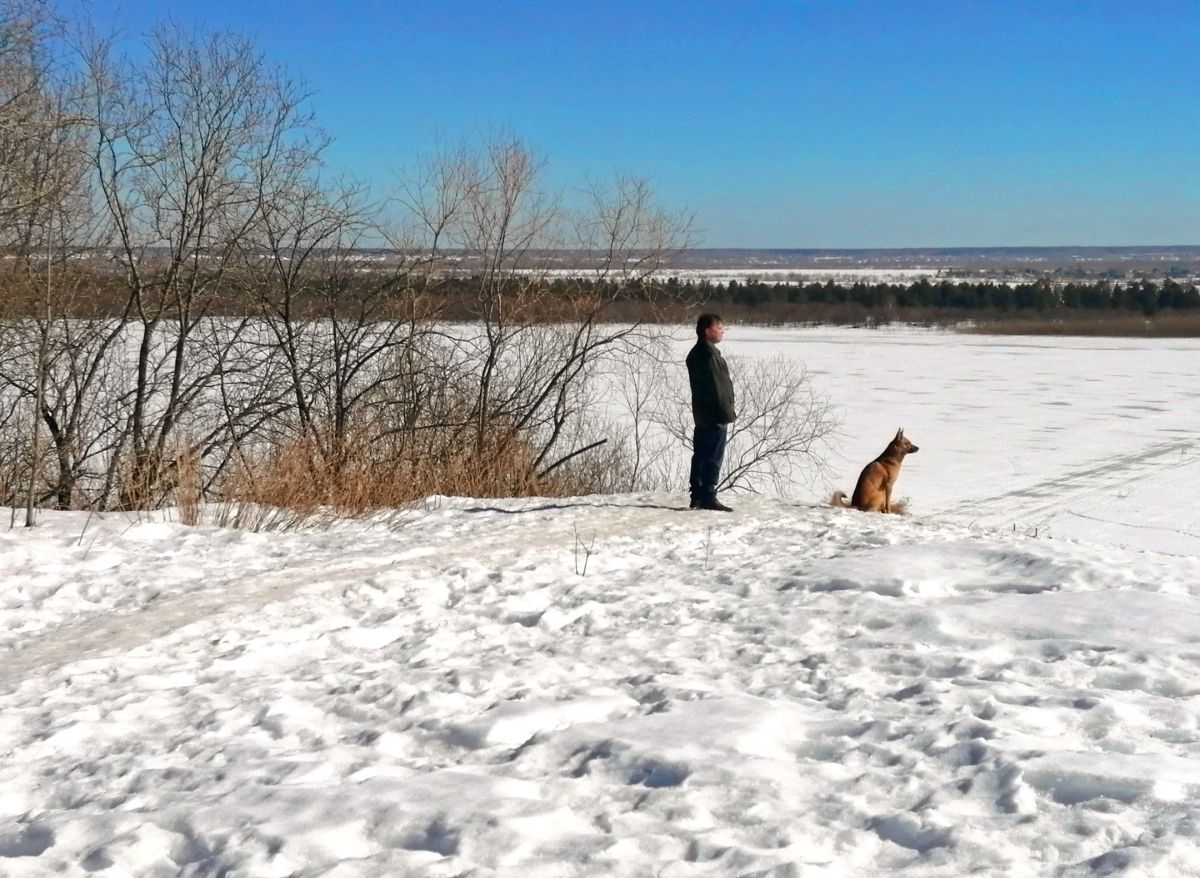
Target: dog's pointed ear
<point>900,433</point>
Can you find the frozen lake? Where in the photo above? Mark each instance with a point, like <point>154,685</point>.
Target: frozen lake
<point>1090,438</point>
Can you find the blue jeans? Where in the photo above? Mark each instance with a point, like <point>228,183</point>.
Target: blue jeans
<point>708,451</point>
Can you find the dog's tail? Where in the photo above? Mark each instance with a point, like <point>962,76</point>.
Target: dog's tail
<point>839,500</point>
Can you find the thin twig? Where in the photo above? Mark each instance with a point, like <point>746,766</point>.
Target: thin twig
<point>91,512</point>
<point>563,460</point>
<point>587,552</point>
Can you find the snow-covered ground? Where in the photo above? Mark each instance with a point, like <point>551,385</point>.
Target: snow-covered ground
<point>1001,683</point>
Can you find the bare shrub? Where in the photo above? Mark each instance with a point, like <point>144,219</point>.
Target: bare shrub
<point>781,435</point>
<point>642,392</point>
<point>783,426</point>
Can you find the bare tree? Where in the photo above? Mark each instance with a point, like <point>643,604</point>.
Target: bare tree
<point>538,341</point>
<point>629,236</point>
<point>186,284</point>
<point>45,216</point>
<point>36,124</point>
<point>502,219</point>
<point>181,146</point>
<point>349,329</point>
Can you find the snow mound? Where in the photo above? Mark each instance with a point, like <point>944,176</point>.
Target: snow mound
<point>785,690</point>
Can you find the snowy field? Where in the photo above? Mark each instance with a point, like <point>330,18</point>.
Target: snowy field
<point>847,275</point>
<point>1003,682</point>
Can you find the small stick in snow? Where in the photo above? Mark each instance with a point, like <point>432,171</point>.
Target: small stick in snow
<point>86,522</point>
<point>587,552</point>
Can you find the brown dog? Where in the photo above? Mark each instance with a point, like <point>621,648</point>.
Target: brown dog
<point>873,493</point>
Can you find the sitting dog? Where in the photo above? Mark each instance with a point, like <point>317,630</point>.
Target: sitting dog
<point>873,493</point>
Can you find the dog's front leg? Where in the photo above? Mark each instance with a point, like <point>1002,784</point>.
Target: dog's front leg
<point>887,498</point>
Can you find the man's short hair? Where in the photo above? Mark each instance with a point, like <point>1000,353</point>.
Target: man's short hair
<point>704,321</point>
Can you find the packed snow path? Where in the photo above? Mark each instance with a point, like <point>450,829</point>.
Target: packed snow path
<point>596,686</point>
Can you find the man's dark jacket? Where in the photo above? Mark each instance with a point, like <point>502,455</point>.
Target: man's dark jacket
<point>712,391</point>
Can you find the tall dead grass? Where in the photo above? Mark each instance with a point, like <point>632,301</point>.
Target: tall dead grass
<point>188,486</point>
<point>307,480</point>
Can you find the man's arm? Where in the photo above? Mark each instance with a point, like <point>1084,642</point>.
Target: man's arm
<point>706,397</point>
<point>723,389</point>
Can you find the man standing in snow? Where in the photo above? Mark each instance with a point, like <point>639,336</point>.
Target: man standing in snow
<point>712,409</point>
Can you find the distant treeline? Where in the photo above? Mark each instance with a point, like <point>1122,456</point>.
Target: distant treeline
<point>924,300</point>
<point>461,298</point>
<point>1145,296</point>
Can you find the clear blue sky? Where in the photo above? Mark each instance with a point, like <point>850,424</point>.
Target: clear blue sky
<point>781,124</point>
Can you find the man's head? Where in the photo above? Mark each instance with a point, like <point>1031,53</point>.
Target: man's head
<point>709,327</point>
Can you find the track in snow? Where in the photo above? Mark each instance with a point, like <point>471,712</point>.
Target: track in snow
<point>1075,490</point>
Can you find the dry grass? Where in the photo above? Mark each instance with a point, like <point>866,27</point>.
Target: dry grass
<point>137,487</point>
<point>304,481</point>
<point>188,486</point>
